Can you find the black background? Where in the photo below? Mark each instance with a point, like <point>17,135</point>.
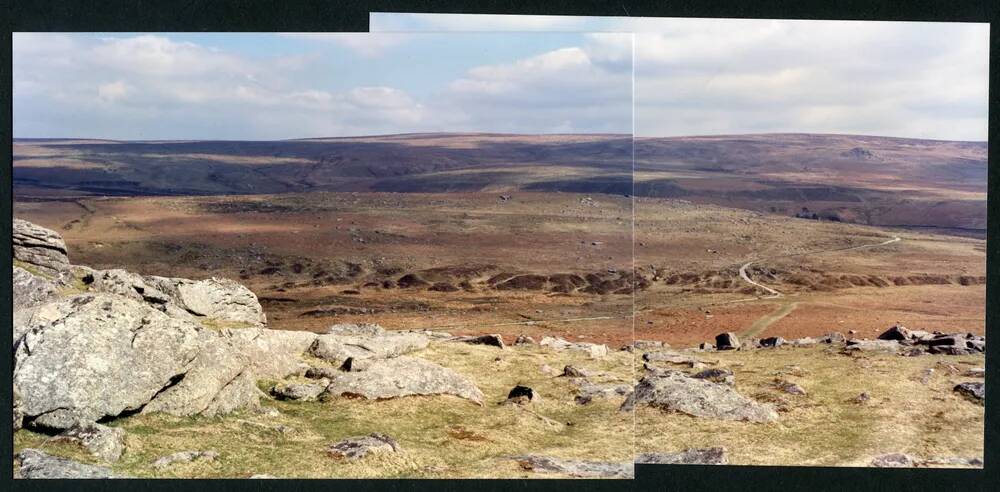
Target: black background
<point>317,15</point>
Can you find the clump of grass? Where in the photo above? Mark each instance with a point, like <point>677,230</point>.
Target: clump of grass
<point>32,269</point>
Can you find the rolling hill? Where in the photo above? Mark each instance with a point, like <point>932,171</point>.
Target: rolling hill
<point>871,180</point>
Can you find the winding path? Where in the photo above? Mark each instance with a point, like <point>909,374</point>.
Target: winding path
<point>786,308</point>
<point>772,293</point>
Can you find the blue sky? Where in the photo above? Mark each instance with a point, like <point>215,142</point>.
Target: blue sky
<point>731,76</point>
<point>275,86</point>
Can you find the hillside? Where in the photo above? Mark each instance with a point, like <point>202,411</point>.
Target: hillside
<point>870,180</point>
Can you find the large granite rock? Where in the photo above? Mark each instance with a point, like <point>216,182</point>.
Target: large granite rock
<point>39,248</point>
<point>677,392</point>
<point>28,292</point>
<point>221,299</point>
<point>93,356</point>
<point>218,381</point>
<point>403,376</point>
<point>31,290</point>
<point>273,354</point>
<point>338,348</point>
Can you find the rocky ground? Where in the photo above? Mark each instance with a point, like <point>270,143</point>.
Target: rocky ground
<point>118,374</point>
<point>123,375</point>
<point>906,398</point>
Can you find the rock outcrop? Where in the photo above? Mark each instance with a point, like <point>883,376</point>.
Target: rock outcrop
<point>40,249</point>
<point>221,299</point>
<point>132,343</point>
<point>677,392</point>
<point>403,376</point>
<point>338,348</point>
<point>93,356</point>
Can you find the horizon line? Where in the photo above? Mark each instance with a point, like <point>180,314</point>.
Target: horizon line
<point>497,134</point>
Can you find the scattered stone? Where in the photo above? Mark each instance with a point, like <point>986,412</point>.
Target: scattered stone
<point>573,372</point>
<point>677,392</point>
<point>649,344</point>
<point>727,341</point>
<point>32,463</point>
<point>897,332</point>
<point>893,460</point>
<point>707,347</point>
<point>575,468</point>
<point>184,457</point>
<point>833,337</point>
<point>804,342</point>
<point>297,392</point>
<point>524,340</point>
<point>323,372</point>
<point>546,369</point>
<point>953,461</point>
<point>596,351</point>
<point>975,392</point>
<point>789,387</point>
<point>862,398</point>
<point>672,357</point>
<point>493,340</point>
<point>772,342</point>
<point>694,456</point>
<point>855,345</point>
<point>107,443</point>
<point>975,372</point>
<point>521,395</point>
<point>715,375</point>
<point>403,376</point>
<point>589,391</point>
<point>354,448</point>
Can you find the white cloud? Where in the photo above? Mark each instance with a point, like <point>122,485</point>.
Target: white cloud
<point>367,46</point>
<point>712,76</point>
<point>153,86</point>
<point>113,91</point>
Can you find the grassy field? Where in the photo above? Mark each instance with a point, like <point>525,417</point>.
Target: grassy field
<point>826,427</point>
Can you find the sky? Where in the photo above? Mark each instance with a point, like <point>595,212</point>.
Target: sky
<point>269,86</point>
<point>739,76</point>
